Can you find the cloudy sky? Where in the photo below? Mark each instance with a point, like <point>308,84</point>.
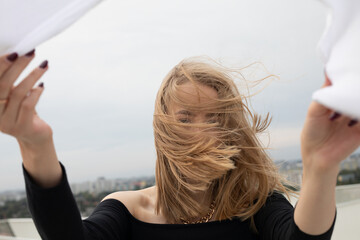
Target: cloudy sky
<point>105,71</point>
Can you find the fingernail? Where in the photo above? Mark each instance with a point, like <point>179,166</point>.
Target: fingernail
<point>41,85</point>
<point>31,53</point>
<point>334,116</point>
<point>12,57</point>
<point>352,123</point>
<point>44,64</point>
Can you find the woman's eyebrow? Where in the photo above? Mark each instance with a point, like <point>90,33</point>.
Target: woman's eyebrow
<point>184,112</point>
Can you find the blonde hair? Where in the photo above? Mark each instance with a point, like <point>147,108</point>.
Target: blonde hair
<point>230,162</point>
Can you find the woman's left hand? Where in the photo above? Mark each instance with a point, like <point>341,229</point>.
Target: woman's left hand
<point>327,138</point>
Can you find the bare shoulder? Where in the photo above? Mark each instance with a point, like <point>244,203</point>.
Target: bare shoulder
<point>140,203</point>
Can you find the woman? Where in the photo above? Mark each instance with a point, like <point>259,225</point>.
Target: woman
<point>213,178</point>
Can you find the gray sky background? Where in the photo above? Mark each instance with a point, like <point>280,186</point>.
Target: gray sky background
<point>105,71</point>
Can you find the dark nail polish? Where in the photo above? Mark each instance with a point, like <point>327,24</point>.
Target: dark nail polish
<point>334,116</point>
<point>31,53</point>
<point>352,123</point>
<point>44,64</point>
<point>41,85</point>
<point>12,57</point>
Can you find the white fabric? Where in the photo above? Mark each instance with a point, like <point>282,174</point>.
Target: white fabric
<point>340,52</point>
<point>24,24</point>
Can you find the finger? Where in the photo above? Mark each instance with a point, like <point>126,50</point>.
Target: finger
<point>18,94</point>
<point>3,105</point>
<point>13,72</point>
<point>334,115</point>
<point>6,61</point>
<point>27,109</point>
<point>353,123</point>
<point>327,81</point>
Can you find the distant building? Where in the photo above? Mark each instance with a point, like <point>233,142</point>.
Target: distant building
<point>111,185</point>
<point>11,196</point>
<point>291,170</point>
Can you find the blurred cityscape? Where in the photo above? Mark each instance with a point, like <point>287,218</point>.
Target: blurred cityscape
<point>349,170</point>
<point>15,220</point>
<point>87,194</point>
<point>112,185</point>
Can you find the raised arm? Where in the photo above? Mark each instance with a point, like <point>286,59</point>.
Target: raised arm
<point>327,139</point>
<point>18,118</point>
<point>50,199</point>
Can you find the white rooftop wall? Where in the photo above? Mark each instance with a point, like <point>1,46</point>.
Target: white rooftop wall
<point>347,221</point>
<point>24,228</point>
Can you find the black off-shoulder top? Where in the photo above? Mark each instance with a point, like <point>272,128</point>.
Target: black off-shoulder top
<point>56,216</point>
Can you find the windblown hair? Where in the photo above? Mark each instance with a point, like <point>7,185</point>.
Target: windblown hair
<point>224,157</point>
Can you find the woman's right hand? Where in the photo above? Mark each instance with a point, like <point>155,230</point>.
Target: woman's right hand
<point>18,117</point>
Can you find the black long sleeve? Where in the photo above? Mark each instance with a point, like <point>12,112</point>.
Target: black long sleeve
<point>56,216</point>
<point>54,210</point>
<point>276,219</point>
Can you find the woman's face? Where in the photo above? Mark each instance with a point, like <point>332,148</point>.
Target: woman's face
<point>191,95</point>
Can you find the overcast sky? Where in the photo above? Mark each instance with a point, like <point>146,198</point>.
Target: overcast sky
<point>105,71</point>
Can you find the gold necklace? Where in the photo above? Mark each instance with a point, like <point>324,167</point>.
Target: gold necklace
<point>204,219</point>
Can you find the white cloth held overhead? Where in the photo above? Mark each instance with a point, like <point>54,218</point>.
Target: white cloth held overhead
<point>24,24</point>
<point>340,52</point>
